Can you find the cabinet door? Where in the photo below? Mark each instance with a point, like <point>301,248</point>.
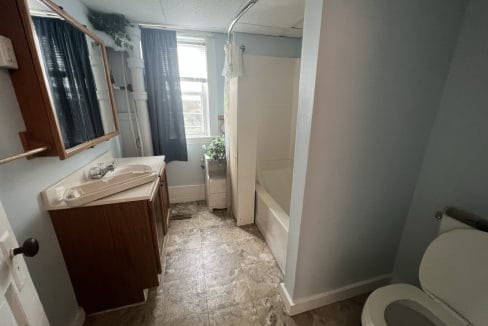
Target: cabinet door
<point>163,190</point>
<point>156,215</point>
<point>109,252</point>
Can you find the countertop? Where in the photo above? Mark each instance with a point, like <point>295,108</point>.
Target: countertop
<point>142,192</point>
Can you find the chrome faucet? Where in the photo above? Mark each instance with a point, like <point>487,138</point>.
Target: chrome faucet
<point>97,172</point>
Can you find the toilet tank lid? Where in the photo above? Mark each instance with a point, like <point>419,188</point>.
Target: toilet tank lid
<point>454,269</point>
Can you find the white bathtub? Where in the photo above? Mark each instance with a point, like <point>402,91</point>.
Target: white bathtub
<point>273,191</point>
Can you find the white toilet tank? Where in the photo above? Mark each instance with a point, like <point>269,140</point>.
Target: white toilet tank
<point>454,269</point>
<point>448,223</point>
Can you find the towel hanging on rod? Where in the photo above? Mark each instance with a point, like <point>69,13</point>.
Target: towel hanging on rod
<point>233,66</point>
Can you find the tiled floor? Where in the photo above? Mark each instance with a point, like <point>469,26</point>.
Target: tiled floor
<point>216,273</point>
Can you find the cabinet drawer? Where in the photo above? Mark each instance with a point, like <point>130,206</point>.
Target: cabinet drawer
<point>217,200</point>
<point>216,185</point>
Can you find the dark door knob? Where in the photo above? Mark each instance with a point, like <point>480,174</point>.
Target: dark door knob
<point>29,248</point>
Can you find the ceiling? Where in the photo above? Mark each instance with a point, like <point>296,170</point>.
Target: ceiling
<point>269,17</point>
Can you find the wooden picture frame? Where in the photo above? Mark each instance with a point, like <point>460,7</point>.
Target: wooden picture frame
<point>37,109</point>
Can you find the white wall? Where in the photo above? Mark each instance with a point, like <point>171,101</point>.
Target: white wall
<point>261,113</point>
<point>20,184</point>
<point>243,107</point>
<point>274,80</point>
<point>454,170</point>
<point>368,96</point>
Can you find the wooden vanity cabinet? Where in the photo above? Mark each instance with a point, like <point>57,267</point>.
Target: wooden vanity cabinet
<point>112,251</point>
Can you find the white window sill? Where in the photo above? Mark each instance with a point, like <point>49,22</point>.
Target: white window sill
<point>199,140</point>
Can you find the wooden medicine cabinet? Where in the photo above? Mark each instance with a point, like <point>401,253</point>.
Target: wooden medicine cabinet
<point>63,83</point>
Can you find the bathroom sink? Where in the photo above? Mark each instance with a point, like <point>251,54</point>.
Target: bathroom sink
<point>121,179</point>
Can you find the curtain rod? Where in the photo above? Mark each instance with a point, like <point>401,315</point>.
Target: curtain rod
<point>178,29</point>
<point>238,16</point>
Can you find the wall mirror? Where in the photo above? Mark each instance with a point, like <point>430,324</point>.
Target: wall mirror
<point>69,65</point>
<point>74,68</point>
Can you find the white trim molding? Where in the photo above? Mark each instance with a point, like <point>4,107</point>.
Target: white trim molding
<point>199,140</point>
<point>183,194</point>
<point>79,318</point>
<point>294,307</point>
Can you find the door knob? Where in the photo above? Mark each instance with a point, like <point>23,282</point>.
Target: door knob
<point>29,248</point>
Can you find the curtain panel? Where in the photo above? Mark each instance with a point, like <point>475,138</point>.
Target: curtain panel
<point>165,106</point>
<point>66,61</point>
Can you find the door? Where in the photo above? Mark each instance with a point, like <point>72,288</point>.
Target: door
<point>19,301</point>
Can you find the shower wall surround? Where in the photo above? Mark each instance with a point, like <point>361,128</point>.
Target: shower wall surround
<point>262,118</point>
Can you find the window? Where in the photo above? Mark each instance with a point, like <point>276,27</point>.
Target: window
<point>192,62</point>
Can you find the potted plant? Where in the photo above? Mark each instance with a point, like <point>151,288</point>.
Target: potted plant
<point>115,25</point>
<point>215,154</point>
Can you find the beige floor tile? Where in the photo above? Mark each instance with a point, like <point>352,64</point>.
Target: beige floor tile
<point>270,311</point>
<point>183,264</point>
<point>187,320</point>
<point>177,307</point>
<point>220,278</point>
<point>216,273</point>
<point>185,226</point>
<point>184,241</point>
<point>237,315</point>
<point>182,288</point>
<point>220,258</point>
<point>225,234</point>
<point>228,294</point>
<point>207,219</point>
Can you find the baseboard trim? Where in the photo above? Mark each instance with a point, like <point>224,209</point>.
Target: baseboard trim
<point>183,194</point>
<point>294,307</point>
<point>79,318</point>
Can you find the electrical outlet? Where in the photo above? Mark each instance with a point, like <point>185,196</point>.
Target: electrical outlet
<point>7,54</point>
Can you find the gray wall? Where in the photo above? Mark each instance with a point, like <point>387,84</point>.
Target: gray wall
<point>381,67</point>
<point>20,184</point>
<point>455,167</point>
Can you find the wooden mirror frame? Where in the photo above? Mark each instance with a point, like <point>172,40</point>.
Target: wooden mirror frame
<point>37,109</point>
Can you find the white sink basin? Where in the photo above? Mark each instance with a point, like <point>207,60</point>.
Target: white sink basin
<point>123,178</point>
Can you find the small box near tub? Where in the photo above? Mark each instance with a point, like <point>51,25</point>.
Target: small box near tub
<point>215,183</point>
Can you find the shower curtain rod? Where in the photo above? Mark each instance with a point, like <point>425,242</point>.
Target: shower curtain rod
<point>238,16</point>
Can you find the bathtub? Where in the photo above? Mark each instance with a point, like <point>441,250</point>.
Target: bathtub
<point>273,191</point>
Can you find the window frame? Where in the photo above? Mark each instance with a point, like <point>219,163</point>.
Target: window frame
<point>198,39</point>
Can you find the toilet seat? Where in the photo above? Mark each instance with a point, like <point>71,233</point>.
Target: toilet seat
<point>452,274</point>
<point>377,303</point>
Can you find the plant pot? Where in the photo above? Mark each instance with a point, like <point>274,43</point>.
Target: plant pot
<point>215,165</point>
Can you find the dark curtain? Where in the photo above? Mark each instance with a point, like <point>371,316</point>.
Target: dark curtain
<point>66,61</point>
<point>164,94</point>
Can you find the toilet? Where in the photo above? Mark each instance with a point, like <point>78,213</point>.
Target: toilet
<point>453,276</point>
